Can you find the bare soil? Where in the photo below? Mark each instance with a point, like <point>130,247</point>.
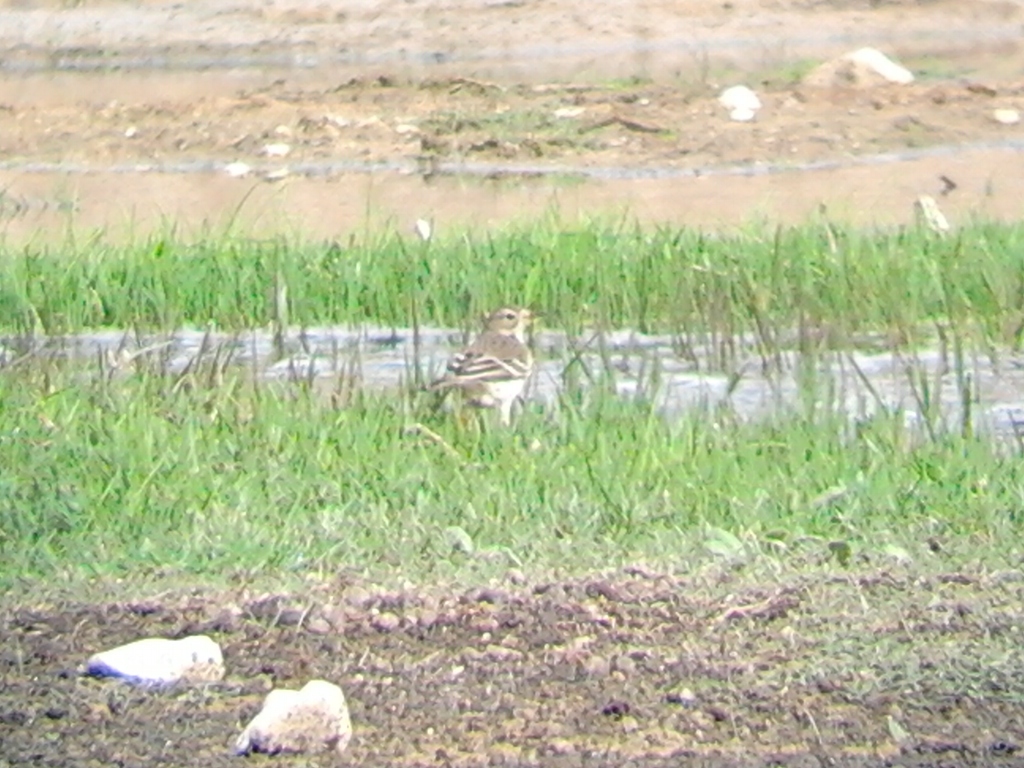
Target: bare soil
<point>876,668</point>
<point>122,115</point>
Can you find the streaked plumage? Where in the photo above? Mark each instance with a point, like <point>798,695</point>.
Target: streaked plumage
<point>493,370</point>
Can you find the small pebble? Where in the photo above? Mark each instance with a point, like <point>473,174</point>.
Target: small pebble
<point>1006,116</point>
<point>237,170</point>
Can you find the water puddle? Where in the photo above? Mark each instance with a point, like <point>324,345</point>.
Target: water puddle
<point>558,40</point>
<point>491,170</point>
<point>927,386</point>
<point>44,208</point>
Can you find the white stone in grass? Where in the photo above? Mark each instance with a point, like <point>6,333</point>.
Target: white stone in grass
<point>928,213</point>
<point>158,661</point>
<point>424,229</point>
<point>312,719</point>
<point>568,113</point>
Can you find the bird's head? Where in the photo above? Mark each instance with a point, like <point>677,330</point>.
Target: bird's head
<point>510,321</point>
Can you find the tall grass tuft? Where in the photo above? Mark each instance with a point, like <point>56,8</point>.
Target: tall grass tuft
<point>114,471</point>
<point>140,475</point>
<point>816,277</point>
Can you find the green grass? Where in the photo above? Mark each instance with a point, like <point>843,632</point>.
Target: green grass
<point>146,474</point>
<point>772,73</point>
<point>934,68</point>
<point>606,274</point>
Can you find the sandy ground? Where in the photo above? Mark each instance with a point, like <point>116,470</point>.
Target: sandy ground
<point>123,115</point>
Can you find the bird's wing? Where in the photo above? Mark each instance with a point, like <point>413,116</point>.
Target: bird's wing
<point>476,366</point>
<point>492,357</point>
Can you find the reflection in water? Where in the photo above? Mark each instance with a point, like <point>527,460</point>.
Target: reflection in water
<point>927,386</point>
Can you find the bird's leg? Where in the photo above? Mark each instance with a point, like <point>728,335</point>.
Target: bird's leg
<point>467,416</point>
<point>506,413</point>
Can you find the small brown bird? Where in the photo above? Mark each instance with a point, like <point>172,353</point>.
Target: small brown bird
<point>492,371</point>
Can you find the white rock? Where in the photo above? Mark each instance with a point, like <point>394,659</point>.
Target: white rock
<point>276,150</point>
<point>277,174</point>
<point>928,213</point>
<point>742,115</point>
<point>423,229</point>
<point>406,129</point>
<point>1006,116</point>
<point>741,102</point>
<point>568,113</point>
<point>881,65</point>
<point>739,97</point>
<point>158,661</point>
<point>237,170</point>
<point>130,132</point>
<point>313,719</point>
<point>863,68</point>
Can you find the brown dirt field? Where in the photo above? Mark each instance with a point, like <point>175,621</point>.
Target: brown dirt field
<point>122,115</point>
<point>636,670</point>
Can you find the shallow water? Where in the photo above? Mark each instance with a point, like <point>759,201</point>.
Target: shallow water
<point>231,36</point>
<point>859,383</point>
<point>333,168</point>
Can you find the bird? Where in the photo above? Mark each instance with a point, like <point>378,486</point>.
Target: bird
<point>492,371</point>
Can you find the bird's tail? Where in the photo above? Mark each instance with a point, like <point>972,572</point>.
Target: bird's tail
<point>440,385</point>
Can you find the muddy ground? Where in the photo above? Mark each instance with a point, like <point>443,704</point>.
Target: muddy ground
<point>123,115</point>
<point>639,669</point>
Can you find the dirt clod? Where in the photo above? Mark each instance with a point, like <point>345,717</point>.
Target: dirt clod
<point>660,679</point>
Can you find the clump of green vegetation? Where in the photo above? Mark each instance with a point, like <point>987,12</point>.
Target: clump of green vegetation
<point>143,472</point>
<point>153,474</point>
<point>599,274</point>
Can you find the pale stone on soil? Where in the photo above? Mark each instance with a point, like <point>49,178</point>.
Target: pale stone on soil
<point>158,661</point>
<point>313,719</point>
<point>928,213</point>
<point>277,174</point>
<point>277,150</point>
<point>862,68</point>
<point>237,170</point>
<point>741,102</point>
<point>1006,116</point>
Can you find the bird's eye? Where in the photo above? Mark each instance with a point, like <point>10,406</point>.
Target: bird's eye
<point>510,315</point>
